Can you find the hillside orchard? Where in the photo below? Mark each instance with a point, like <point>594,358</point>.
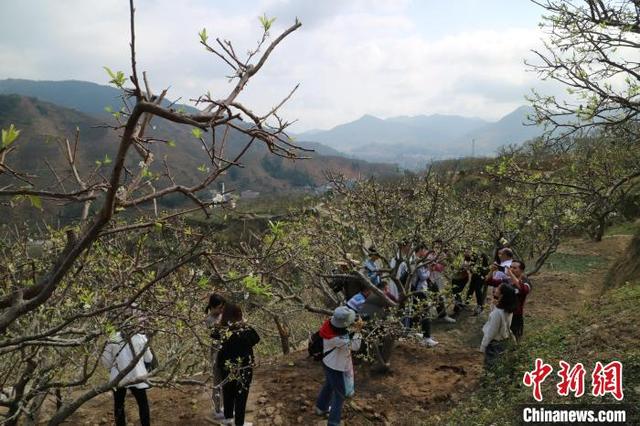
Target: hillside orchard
<point>125,263</point>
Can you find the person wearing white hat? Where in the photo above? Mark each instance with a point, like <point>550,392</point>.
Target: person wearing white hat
<point>337,364</point>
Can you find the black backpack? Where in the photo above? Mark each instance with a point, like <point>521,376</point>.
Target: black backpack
<point>315,347</point>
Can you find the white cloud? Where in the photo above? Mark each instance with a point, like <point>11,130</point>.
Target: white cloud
<point>351,58</point>
<point>369,72</point>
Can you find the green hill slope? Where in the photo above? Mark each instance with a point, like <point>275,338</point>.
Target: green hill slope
<point>43,125</point>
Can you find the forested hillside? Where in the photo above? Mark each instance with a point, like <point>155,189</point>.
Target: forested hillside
<point>44,126</point>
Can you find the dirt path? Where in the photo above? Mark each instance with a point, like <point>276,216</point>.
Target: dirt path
<point>424,382</point>
<point>557,294</point>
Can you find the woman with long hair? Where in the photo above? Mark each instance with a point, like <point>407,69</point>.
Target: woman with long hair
<point>498,327</point>
<point>235,360</point>
<point>214,311</point>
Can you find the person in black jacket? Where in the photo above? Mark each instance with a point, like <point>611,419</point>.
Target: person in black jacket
<point>235,359</point>
<point>479,269</point>
<point>214,310</point>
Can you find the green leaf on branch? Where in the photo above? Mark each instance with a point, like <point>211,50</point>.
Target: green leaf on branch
<point>171,143</point>
<point>203,36</point>
<point>254,286</point>
<point>276,228</point>
<point>35,201</point>
<point>106,160</point>
<point>117,78</point>
<point>9,136</point>
<point>266,22</point>
<point>111,73</point>
<point>196,132</point>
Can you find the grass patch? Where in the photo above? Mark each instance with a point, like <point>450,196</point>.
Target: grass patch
<point>626,228</point>
<point>574,263</point>
<point>604,330</point>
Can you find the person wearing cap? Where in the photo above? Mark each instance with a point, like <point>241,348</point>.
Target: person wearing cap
<point>371,267</point>
<point>337,363</point>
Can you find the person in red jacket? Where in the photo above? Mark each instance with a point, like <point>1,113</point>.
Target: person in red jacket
<point>337,345</point>
<point>523,286</point>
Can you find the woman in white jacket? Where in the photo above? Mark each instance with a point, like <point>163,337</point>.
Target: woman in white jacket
<point>338,367</point>
<point>118,355</point>
<point>497,328</point>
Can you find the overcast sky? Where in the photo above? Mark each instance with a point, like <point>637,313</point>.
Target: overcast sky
<point>351,57</point>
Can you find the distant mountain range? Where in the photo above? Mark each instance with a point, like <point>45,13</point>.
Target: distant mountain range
<point>401,130</point>
<point>410,142</point>
<point>413,141</point>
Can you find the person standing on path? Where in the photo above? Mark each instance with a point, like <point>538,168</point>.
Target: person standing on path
<point>479,268</point>
<point>371,267</point>
<point>421,298</point>
<point>214,311</point>
<point>523,288</point>
<point>337,363</point>
<point>497,274</point>
<point>236,360</point>
<point>118,355</point>
<point>497,328</point>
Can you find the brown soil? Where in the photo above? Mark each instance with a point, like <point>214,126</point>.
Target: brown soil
<point>422,380</point>
<point>423,383</point>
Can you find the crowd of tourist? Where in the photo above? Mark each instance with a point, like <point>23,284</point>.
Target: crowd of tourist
<point>423,284</point>
<point>428,277</point>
